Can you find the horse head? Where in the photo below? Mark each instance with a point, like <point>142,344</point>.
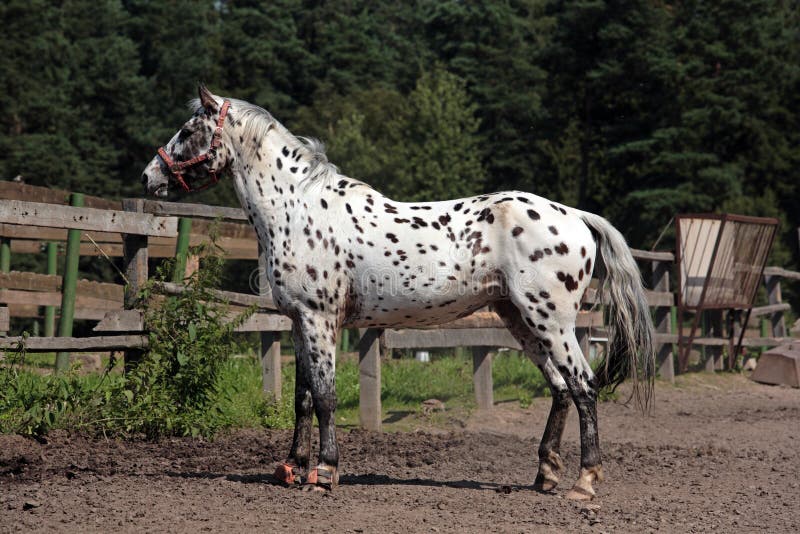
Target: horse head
<point>196,155</point>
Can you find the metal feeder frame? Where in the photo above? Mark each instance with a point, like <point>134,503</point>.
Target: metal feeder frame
<point>752,255</point>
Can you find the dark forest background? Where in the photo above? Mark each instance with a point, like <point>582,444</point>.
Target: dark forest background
<point>636,110</point>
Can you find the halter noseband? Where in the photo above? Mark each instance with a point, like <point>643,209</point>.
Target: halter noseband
<point>178,168</point>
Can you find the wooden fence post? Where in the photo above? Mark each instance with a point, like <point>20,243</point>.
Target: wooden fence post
<point>181,249</point>
<point>69,284</point>
<point>134,253</point>
<point>4,319</point>
<point>270,341</point>
<point>774,293</point>
<point>663,323</point>
<point>52,269</point>
<point>271,363</point>
<point>735,326</point>
<point>713,327</point>
<point>584,341</point>
<point>369,378</point>
<point>482,377</point>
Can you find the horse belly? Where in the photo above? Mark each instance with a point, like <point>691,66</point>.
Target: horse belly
<point>434,300</point>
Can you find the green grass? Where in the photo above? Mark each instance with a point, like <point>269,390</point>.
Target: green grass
<point>517,379</point>
<point>406,383</point>
<point>240,403</point>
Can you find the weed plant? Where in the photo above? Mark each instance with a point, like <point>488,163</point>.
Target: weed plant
<point>176,387</point>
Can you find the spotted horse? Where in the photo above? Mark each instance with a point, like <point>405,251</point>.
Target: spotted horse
<point>340,253</point>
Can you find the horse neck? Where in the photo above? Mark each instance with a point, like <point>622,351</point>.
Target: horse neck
<point>267,182</point>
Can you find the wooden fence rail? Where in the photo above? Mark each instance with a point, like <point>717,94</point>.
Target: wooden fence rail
<point>138,230</point>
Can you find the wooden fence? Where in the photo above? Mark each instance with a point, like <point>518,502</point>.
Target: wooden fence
<point>137,230</point>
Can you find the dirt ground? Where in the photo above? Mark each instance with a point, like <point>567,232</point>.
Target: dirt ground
<point>720,454</point>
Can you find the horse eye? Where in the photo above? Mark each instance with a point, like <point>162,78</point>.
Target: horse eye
<point>184,134</point>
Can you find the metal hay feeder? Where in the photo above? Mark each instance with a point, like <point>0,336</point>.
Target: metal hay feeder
<point>720,260</point>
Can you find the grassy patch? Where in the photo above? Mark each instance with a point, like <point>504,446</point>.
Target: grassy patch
<point>71,400</point>
<point>407,383</point>
<point>517,379</point>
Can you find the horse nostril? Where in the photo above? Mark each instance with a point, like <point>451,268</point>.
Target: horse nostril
<point>144,178</point>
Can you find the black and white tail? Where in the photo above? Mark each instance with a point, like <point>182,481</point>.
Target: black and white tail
<point>631,350</point>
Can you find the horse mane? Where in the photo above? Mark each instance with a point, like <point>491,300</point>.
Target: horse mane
<point>257,122</point>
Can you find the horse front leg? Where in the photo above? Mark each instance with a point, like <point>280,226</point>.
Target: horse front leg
<point>296,467</point>
<point>315,343</point>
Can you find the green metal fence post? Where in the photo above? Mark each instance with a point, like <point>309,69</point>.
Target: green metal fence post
<point>182,249</point>
<point>69,284</point>
<point>52,269</point>
<point>5,258</point>
<point>5,254</point>
<point>765,331</point>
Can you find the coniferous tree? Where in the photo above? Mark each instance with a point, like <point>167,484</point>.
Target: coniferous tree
<point>265,60</point>
<point>493,47</point>
<point>637,110</point>
<point>434,150</point>
<point>76,101</point>
<point>420,146</point>
<point>607,93</point>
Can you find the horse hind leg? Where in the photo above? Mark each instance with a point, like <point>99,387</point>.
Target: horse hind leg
<point>550,463</point>
<point>557,344</point>
<point>582,384</point>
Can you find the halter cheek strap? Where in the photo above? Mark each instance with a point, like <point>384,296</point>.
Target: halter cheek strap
<point>177,169</point>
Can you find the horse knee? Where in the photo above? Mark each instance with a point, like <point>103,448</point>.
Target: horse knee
<point>303,402</point>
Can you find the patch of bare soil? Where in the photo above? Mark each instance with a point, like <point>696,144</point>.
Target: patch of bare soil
<point>720,454</point>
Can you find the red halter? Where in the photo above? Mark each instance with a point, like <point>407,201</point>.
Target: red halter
<point>177,169</point>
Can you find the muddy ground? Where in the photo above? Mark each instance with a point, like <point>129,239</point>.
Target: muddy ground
<point>720,454</point>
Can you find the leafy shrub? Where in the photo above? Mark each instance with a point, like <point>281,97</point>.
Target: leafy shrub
<point>173,390</point>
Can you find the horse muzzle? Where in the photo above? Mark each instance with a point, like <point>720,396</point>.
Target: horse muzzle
<point>154,181</point>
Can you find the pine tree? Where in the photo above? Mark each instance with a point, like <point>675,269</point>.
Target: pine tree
<point>726,143</point>
<point>420,146</point>
<point>265,59</point>
<point>433,147</point>
<point>73,104</point>
<point>608,91</point>
<point>494,48</point>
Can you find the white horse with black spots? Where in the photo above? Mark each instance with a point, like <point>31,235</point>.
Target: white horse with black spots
<point>340,253</point>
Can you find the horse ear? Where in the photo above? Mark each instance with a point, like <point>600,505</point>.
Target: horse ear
<point>207,100</point>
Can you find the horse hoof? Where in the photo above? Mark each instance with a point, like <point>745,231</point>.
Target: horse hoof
<point>546,478</point>
<point>288,474</point>
<point>544,485</point>
<point>314,488</point>
<point>583,490</point>
<point>323,477</point>
<point>580,494</point>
